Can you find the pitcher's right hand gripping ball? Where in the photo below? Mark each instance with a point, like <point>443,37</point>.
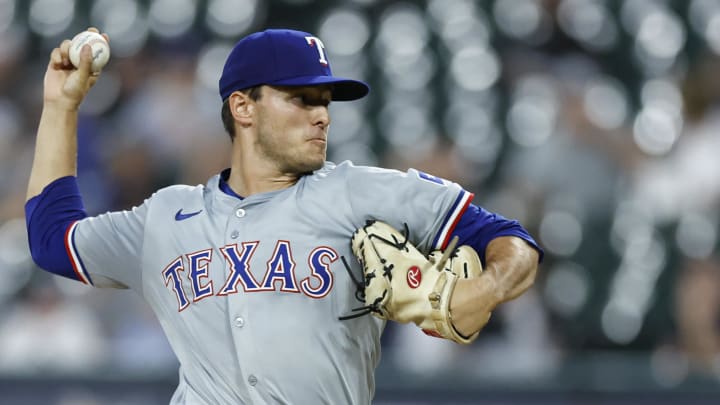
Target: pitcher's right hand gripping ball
<point>402,285</point>
<point>99,46</point>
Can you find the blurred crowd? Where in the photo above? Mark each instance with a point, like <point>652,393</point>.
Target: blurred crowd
<point>594,123</point>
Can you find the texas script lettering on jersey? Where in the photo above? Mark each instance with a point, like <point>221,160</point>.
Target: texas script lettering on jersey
<point>280,268</point>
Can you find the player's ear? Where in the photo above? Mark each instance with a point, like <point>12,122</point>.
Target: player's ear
<point>241,108</point>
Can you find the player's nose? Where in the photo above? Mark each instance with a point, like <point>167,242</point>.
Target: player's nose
<point>321,116</point>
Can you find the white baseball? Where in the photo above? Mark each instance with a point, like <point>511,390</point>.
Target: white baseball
<point>100,49</point>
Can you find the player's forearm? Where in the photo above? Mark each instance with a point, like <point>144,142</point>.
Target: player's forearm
<point>511,265</point>
<point>55,148</point>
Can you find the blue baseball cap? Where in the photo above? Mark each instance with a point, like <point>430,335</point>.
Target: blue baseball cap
<point>283,57</point>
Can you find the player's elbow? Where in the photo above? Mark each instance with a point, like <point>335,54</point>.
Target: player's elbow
<point>530,270</point>
<point>533,263</point>
<point>47,249</point>
<point>47,217</point>
<point>45,259</point>
<point>531,274</point>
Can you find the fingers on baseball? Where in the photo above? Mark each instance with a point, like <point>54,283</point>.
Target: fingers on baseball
<point>93,29</point>
<point>59,58</point>
<point>65,53</point>
<point>56,60</point>
<point>85,62</point>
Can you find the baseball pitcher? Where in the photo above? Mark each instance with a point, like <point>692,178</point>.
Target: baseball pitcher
<point>273,282</point>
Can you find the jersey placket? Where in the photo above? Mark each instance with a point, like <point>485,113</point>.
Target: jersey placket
<point>237,239</point>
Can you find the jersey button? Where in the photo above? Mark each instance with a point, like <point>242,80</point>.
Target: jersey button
<point>234,234</point>
<point>240,213</point>
<point>252,380</point>
<point>239,322</point>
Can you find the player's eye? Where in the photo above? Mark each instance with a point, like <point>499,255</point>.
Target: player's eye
<point>308,100</point>
<point>321,101</point>
<point>299,99</point>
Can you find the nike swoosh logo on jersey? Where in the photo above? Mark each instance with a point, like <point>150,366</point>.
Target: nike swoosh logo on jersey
<point>179,216</point>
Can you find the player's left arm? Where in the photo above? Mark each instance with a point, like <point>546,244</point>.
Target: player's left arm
<point>510,259</point>
<point>510,267</point>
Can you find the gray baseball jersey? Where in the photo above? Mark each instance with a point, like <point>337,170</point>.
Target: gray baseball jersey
<point>249,291</point>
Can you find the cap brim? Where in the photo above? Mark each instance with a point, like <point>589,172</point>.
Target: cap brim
<point>342,89</point>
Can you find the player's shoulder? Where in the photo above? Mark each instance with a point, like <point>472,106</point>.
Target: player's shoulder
<point>348,169</point>
<point>178,191</point>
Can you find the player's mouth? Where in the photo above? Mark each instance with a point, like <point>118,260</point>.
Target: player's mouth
<point>318,140</point>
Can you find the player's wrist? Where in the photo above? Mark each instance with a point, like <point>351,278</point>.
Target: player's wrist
<point>472,303</point>
<point>61,106</point>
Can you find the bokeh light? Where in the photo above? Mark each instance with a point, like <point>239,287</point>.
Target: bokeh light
<point>345,31</point>
<point>459,23</point>
<point>567,289</point>
<point>523,20</point>
<point>7,14</point>
<point>606,103</point>
<point>561,232</point>
<point>228,18</point>
<point>589,22</point>
<point>124,22</point>
<point>696,235</point>
<point>50,17</point>
<point>531,118</point>
<point>172,18</point>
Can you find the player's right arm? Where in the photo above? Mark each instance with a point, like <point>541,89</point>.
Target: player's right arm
<point>64,88</point>
<point>54,204</point>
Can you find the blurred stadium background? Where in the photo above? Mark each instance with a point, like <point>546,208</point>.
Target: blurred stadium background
<point>595,123</point>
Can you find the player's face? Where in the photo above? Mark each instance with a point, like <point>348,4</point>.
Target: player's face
<point>293,126</point>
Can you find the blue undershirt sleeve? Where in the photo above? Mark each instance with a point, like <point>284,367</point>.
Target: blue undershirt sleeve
<point>477,227</point>
<point>48,216</point>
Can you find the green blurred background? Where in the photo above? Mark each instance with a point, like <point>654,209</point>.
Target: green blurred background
<point>594,123</point>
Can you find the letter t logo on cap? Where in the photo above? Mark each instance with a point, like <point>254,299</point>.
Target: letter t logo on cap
<point>320,48</point>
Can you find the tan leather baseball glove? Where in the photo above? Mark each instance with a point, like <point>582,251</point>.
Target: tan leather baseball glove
<point>403,285</point>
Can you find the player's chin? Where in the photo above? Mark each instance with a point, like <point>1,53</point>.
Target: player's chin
<point>314,162</point>
<point>307,160</point>
<point>306,167</point>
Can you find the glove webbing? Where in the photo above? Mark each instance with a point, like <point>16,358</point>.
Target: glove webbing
<point>360,284</point>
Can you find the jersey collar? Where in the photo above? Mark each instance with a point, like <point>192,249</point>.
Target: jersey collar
<point>224,187</point>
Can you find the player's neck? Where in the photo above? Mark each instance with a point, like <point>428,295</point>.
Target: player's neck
<point>247,179</point>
